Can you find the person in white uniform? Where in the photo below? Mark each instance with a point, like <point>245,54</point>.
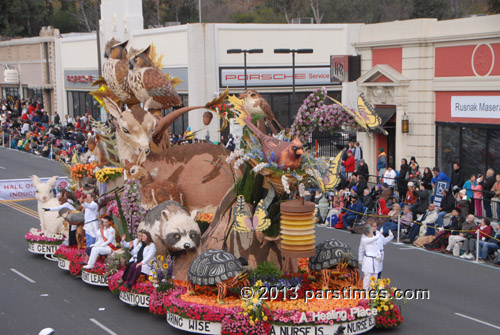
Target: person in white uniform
<point>66,202</point>
<point>369,254</point>
<point>91,225</point>
<point>104,242</point>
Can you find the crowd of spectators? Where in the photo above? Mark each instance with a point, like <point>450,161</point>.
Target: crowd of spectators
<point>25,125</point>
<point>449,221</point>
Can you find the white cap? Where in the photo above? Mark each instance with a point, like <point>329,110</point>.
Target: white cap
<point>410,184</point>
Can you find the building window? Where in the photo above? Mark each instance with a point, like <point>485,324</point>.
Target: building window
<point>81,103</point>
<point>179,126</point>
<point>11,93</point>
<point>475,147</point>
<point>34,94</point>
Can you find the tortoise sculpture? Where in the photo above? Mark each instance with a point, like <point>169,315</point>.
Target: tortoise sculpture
<point>332,258</point>
<point>217,268</point>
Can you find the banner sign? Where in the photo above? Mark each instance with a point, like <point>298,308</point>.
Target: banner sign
<point>23,189</point>
<point>282,76</point>
<point>475,107</point>
<point>207,327</point>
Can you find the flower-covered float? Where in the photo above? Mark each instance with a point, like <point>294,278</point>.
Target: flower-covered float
<point>40,242</point>
<point>235,239</point>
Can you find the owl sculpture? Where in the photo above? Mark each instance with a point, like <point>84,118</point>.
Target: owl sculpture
<point>115,71</point>
<point>149,84</point>
<point>256,104</point>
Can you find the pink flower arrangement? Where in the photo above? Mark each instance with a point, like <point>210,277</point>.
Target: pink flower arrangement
<point>238,323</point>
<point>113,282</point>
<point>314,113</point>
<point>157,302</point>
<point>99,267</point>
<point>37,236</point>
<point>174,304</point>
<point>131,205</point>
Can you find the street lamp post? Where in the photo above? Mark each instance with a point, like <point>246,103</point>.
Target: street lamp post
<point>250,51</point>
<point>293,52</point>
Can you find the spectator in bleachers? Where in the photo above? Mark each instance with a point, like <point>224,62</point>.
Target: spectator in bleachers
<point>496,191</point>
<point>426,226</point>
<point>477,188</point>
<point>487,195</point>
<point>470,193</point>
<point>469,245</point>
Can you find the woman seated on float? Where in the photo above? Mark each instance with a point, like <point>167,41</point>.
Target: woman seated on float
<point>104,244</point>
<point>134,246</point>
<point>67,200</point>
<point>143,262</point>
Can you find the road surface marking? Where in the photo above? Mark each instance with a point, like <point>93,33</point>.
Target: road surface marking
<point>23,276</point>
<point>21,209</point>
<point>1,167</point>
<point>103,327</point>
<point>484,323</point>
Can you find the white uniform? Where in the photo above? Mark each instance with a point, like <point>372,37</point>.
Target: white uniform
<point>148,254</point>
<point>370,258</point>
<point>91,226</point>
<point>381,244</point>
<point>101,246</point>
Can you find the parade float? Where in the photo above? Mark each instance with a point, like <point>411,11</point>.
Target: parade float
<point>235,239</point>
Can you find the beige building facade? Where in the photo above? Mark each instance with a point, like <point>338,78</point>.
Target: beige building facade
<point>416,70</point>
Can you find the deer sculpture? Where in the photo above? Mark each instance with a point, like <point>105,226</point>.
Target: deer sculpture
<point>197,170</point>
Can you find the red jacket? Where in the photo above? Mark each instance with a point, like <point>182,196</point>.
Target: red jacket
<point>485,233</point>
<point>350,164</point>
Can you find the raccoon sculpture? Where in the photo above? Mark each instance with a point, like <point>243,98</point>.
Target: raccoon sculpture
<point>173,229</point>
<point>175,232</point>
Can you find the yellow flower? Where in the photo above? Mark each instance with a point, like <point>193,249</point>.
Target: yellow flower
<point>252,322</point>
<point>150,278</point>
<point>372,278</point>
<point>255,300</point>
<point>386,308</point>
<point>165,266</point>
<point>161,258</point>
<point>379,309</point>
<point>391,307</point>
<point>250,307</point>
<point>259,283</point>
<point>264,318</point>
<point>388,281</point>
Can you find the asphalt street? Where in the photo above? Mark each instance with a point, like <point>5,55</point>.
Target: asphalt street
<point>464,296</point>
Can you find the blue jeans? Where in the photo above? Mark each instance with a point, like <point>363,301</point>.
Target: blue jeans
<point>485,247</point>
<point>348,220</point>
<point>89,239</point>
<point>389,225</point>
<point>440,218</point>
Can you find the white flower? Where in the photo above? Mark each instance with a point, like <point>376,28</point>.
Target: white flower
<point>284,182</point>
<point>259,167</point>
<point>302,190</point>
<point>299,177</point>
<point>310,172</point>
<point>238,163</point>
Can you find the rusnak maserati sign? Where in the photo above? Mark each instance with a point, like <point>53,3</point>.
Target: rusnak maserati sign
<point>274,76</point>
<point>475,106</point>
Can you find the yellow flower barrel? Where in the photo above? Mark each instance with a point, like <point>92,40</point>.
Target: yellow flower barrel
<point>297,228</point>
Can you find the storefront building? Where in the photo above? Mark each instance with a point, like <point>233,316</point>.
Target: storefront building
<point>444,78</point>
<point>29,69</point>
<point>197,54</point>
